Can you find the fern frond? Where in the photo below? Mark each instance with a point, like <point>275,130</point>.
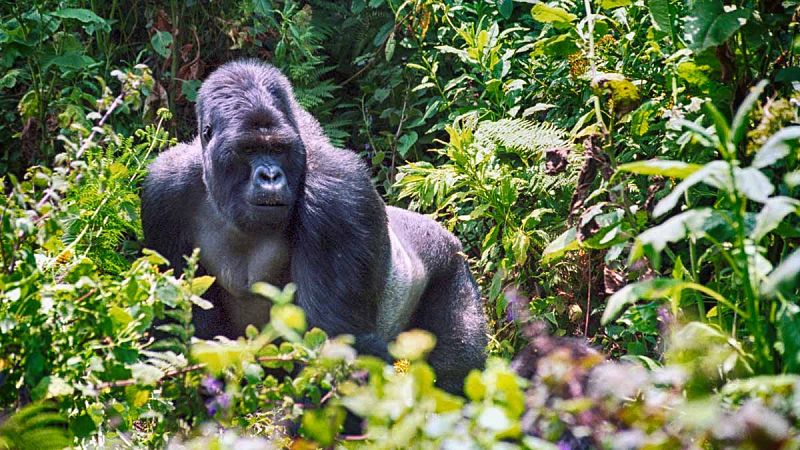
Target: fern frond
<point>528,138</point>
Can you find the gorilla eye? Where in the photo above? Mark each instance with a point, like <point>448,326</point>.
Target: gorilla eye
<point>207,133</point>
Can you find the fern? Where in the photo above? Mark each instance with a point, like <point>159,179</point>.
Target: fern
<point>528,138</point>
<point>37,426</point>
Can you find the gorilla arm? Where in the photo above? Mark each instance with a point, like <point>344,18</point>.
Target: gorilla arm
<point>173,185</point>
<point>340,247</point>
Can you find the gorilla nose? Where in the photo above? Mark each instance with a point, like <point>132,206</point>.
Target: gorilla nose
<point>269,177</point>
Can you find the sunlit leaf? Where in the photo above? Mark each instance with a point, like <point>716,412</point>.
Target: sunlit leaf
<point>715,170</point>
<point>218,356</point>
<point>771,215</point>
<point>201,284</point>
<point>694,222</point>
<point>753,184</point>
<point>664,168</point>
<point>776,147</point>
<point>412,345</point>
<point>566,242</point>
<point>709,25</point>
<point>550,14</point>
<point>784,276</point>
<point>657,288</point>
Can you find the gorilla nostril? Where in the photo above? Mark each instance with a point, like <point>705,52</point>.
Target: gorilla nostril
<point>269,175</point>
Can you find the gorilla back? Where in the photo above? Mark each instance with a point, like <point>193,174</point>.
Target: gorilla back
<point>265,197</point>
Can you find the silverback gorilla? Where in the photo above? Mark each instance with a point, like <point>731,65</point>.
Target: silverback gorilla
<point>265,197</point>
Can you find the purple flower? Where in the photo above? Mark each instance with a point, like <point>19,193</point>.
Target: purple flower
<point>212,385</point>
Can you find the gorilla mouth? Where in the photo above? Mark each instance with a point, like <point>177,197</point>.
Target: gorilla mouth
<point>269,204</point>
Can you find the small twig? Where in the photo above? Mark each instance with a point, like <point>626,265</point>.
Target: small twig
<point>114,105</point>
<point>86,295</point>
<point>354,437</point>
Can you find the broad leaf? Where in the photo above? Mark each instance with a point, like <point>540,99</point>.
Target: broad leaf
<point>568,241</point>
<point>695,222</point>
<point>659,13</point>
<point>789,334</point>
<point>549,14</point>
<point>162,43</point>
<point>753,184</point>
<point>218,356</point>
<point>612,4</point>
<point>82,15</point>
<point>657,288</point>
<point>664,168</point>
<point>709,25</point>
<point>771,215</point>
<point>505,7</point>
<point>776,147</point>
<point>785,275</point>
<point>715,170</point>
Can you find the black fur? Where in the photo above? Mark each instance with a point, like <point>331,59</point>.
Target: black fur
<point>332,239</point>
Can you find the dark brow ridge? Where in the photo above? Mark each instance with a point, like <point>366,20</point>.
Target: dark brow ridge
<point>258,139</point>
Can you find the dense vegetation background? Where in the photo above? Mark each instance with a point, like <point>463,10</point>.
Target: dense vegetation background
<point>623,175</point>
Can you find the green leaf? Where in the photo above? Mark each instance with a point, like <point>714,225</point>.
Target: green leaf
<point>391,43</point>
<point>694,222</point>
<point>664,168</point>
<point>119,316</point>
<point>659,14</point>
<point>83,15</point>
<point>162,43</point>
<point>740,120</point>
<point>753,184</point>
<point>405,143</point>
<point>505,7</point>
<point>274,293</point>
<point>784,276</point>
<point>289,320</point>
<point>776,147</point>
<point>322,425</point>
<point>559,17</point>
<point>562,44</point>
<point>314,338</point>
<point>613,4</point>
<point>789,334</point>
<point>566,242</point>
<point>201,284</point>
<point>189,89</point>
<point>771,215</point>
<point>709,25</point>
<point>654,289</point>
<point>519,246</point>
<point>474,387</point>
<point>218,356</point>
<point>68,61</point>
<point>713,173</point>
<point>412,345</point>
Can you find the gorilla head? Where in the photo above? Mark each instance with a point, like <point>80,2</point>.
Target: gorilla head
<point>253,156</point>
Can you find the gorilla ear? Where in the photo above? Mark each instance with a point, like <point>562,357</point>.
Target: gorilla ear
<point>207,133</point>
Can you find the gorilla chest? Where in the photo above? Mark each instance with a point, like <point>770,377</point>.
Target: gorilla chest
<point>237,262</point>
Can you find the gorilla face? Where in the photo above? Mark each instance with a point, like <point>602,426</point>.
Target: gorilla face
<point>253,156</point>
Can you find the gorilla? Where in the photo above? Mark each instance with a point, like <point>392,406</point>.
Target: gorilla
<point>266,197</point>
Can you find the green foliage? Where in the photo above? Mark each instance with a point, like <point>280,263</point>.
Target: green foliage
<point>615,161</point>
